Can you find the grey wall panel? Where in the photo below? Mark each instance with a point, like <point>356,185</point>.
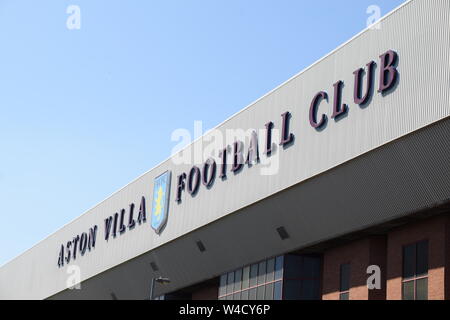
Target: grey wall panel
<point>419,31</point>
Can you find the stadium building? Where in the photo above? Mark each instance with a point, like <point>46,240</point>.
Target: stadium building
<point>339,188</point>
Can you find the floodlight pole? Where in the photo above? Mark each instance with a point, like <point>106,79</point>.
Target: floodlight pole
<point>157,280</point>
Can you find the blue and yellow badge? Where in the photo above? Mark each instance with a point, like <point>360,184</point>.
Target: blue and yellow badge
<point>161,193</point>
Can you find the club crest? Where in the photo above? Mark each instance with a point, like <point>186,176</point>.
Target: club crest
<point>160,205</point>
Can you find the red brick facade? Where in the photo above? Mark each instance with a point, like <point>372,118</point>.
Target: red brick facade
<point>360,255</point>
<point>387,252</point>
<point>436,232</point>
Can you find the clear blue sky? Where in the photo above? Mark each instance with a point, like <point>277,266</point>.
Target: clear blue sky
<point>84,112</point>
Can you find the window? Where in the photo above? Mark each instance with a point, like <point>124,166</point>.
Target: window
<point>279,268</point>
<point>289,277</point>
<point>415,271</point>
<point>301,277</point>
<point>238,281</point>
<point>253,275</point>
<point>344,286</point>
<point>259,281</point>
<point>246,278</point>
<point>223,285</point>
<point>262,270</point>
<point>230,284</point>
<point>270,270</point>
<point>278,291</point>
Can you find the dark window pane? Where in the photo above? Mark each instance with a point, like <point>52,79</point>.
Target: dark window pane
<point>422,259</point>
<point>310,289</point>
<point>237,280</point>
<point>291,289</point>
<point>292,266</point>
<point>223,285</point>
<point>422,289</point>
<point>230,297</point>
<point>409,261</point>
<point>260,291</point>
<point>253,274</point>
<point>269,292</point>
<point>277,292</point>
<point>230,282</point>
<point>408,290</point>
<point>252,294</point>
<point>311,267</point>
<point>262,273</point>
<point>345,277</point>
<point>245,278</point>
<point>344,296</point>
<point>237,296</point>
<point>244,295</point>
<point>279,268</point>
<point>270,270</point>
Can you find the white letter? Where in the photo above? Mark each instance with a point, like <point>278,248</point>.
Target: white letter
<point>198,145</point>
<point>178,156</point>
<point>74,20</point>
<point>376,15</point>
<point>74,280</point>
<point>212,142</point>
<point>270,165</point>
<point>374,281</point>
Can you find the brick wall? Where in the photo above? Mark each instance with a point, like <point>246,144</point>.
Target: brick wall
<point>360,255</point>
<point>435,231</point>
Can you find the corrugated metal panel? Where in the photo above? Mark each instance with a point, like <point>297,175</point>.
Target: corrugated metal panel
<point>419,32</point>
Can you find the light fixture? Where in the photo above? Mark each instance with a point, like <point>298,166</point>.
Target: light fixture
<point>201,246</point>
<point>154,266</point>
<point>162,280</point>
<point>159,280</point>
<point>283,233</point>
